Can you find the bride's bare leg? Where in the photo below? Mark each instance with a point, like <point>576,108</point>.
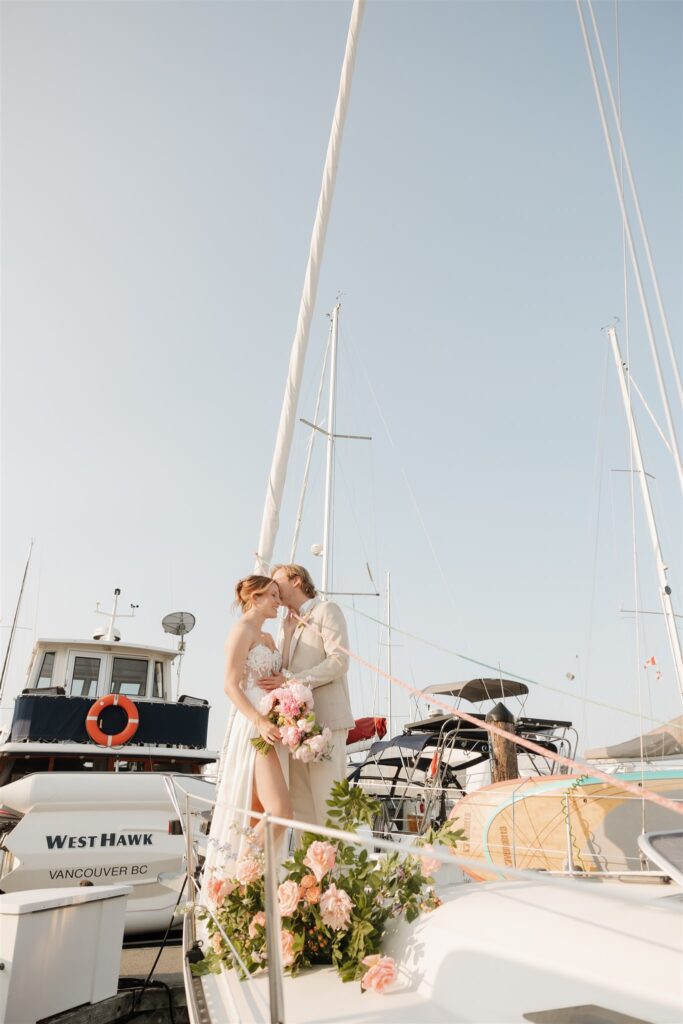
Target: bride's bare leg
<point>257,806</point>
<point>271,791</point>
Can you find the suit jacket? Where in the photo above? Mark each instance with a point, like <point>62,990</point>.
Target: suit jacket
<point>314,660</point>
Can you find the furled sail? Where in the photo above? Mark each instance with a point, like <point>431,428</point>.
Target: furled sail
<point>278,471</point>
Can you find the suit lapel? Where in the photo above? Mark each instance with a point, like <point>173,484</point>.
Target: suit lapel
<point>298,631</point>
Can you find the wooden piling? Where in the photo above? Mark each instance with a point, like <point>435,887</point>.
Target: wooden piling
<point>503,752</point>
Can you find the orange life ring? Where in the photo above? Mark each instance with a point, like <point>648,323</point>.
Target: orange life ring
<point>103,738</point>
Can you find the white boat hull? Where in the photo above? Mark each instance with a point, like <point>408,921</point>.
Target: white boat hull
<point>99,829</point>
<point>497,953</point>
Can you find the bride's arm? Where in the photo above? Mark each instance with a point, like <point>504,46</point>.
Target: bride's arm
<point>236,651</point>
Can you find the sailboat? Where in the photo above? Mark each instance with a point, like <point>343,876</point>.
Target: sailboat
<point>526,947</point>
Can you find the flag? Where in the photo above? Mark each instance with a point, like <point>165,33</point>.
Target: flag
<point>650,661</point>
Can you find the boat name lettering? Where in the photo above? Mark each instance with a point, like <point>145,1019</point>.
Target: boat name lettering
<point>111,871</point>
<point>105,839</point>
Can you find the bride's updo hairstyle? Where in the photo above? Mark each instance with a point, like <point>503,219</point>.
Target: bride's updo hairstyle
<point>249,588</point>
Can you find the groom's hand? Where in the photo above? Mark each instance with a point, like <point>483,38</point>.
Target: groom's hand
<point>290,623</point>
<point>269,683</point>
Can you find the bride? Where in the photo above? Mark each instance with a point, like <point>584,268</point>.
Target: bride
<point>247,779</point>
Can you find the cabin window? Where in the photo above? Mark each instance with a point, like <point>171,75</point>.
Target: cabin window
<point>158,685</point>
<point>46,670</point>
<point>84,678</point>
<point>131,766</point>
<point>129,677</point>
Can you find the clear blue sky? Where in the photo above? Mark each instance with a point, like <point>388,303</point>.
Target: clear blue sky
<point>160,170</point>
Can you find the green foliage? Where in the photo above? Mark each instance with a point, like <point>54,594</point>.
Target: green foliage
<point>350,807</point>
<point>379,888</point>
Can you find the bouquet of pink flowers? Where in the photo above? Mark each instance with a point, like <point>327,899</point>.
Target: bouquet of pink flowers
<point>335,902</point>
<point>290,708</point>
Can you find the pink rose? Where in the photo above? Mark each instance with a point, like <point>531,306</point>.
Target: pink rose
<point>290,706</point>
<point>381,972</point>
<point>257,921</point>
<point>430,865</point>
<point>318,744</point>
<point>248,870</point>
<point>218,889</point>
<point>266,703</point>
<point>288,898</point>
<point>335,908</point>
<point>217,942</point>
<point>214,890</point>
<point>312,894</point>
<point>304,753</point>
<point>320,858</point>
<point>287,947</point>
<point>290,735</point>
<point>303,694</point>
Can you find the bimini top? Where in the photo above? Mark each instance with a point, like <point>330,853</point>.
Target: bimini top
<point>476,690</point>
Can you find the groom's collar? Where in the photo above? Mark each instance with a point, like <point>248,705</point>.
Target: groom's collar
<point>308,606</point>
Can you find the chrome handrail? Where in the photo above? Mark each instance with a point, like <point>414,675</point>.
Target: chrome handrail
<point>273,930</point>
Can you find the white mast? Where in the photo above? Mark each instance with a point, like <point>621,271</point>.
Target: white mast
<point>389,715</point>
<point>329,469</point>
<point>664,588</point>
<point>278,471</point>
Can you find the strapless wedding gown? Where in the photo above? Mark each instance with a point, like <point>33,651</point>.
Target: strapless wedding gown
<point>235,784</point>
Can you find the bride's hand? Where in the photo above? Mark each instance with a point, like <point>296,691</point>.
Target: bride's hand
<point>269,732</point>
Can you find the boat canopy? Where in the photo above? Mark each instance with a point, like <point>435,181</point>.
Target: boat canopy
<point>664,741</point>
<point>479,689</point>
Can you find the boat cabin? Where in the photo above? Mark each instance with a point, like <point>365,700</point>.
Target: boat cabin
<point>102,705</point>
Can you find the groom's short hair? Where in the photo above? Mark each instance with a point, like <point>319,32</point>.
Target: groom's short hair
<point>294,571</point>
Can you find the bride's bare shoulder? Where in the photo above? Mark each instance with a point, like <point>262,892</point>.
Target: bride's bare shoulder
<point>267,641</point>
<point>240,635</point>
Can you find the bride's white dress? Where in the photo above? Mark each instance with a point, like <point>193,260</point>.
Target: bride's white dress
<point>235,783</point>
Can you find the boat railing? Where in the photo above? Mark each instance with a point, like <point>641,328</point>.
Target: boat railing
<point>275,1010</point>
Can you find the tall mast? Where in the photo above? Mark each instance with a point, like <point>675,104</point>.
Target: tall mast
<point>329,469</point>
<point>10,641</point>
<point>276,481</point>
<point>389,715</point>
<point>664,588</point>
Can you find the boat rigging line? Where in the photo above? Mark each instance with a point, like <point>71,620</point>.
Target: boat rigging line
<point>581,767</point>
<point>497,669</point>
<point>629,234</point>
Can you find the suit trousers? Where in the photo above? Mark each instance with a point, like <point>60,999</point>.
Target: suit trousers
<point>310,784</point>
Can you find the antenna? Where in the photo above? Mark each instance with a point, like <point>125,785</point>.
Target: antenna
<point>179,624</point>
<point>111,633</point>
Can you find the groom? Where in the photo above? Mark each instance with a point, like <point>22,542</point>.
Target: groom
<point>310,653</point>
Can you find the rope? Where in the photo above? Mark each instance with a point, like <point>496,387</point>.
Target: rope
<point>309,456</point>
<point>580,767</point>
<point>631,245</point>
<point>616,111</point>
<point>496,669</point>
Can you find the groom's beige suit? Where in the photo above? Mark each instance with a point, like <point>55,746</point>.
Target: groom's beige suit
<point>314,658</point>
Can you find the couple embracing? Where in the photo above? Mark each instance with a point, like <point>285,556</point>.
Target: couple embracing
<point>313,632</point>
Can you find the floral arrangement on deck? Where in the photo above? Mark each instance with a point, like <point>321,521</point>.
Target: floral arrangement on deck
<point>290,708</point>
<point>335,900</point>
